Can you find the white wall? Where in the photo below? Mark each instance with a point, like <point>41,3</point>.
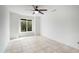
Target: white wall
<point>15,25</point>
<point>62,25</point>
<point>4,28</point>
<point>36,27</point>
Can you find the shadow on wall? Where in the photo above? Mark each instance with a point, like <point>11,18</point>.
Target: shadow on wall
<point>4,28</point>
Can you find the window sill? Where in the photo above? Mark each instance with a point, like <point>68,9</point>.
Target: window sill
<point>27,32</point>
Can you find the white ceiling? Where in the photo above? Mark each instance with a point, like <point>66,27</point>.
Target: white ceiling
<point>27,9</point>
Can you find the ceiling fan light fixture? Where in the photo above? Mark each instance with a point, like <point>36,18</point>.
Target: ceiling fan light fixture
<point>36,12</point>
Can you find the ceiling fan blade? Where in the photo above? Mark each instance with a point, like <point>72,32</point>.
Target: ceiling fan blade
<point>33,12</point>
<point>43,9</point>
<point>41,12</point>
<point>34,6</point>
<point>53,10</point>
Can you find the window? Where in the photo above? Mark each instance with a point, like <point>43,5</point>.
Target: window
<point>26,25</point>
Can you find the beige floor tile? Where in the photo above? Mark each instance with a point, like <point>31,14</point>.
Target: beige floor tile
<point>38,44</point>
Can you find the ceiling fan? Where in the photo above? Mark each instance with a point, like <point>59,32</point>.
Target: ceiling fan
<point>37,10</point>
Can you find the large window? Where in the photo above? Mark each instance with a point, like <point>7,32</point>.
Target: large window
<point>26,25</point>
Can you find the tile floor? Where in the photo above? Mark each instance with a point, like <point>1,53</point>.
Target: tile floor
<point>37,44</point>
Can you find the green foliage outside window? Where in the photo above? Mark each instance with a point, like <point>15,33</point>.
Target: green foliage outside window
<point>26,25</point>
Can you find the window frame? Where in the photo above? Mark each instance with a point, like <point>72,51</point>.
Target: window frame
<point>26,21</point>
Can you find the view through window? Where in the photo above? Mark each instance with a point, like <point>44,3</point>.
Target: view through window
<point>26,25</point>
